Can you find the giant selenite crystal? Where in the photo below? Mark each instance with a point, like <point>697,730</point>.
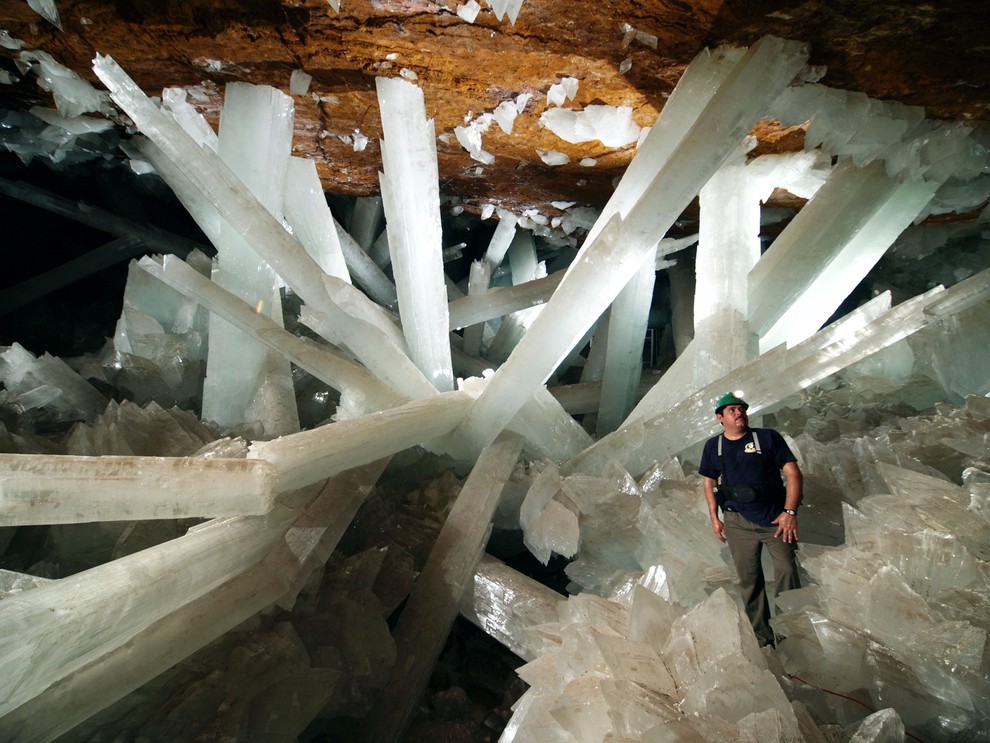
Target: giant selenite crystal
<point>411,193</point>
<point>605,265</point>
<point>653,646</point>
<point>245,381</point>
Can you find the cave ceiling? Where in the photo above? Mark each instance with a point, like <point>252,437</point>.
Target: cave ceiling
<point>935,55</point>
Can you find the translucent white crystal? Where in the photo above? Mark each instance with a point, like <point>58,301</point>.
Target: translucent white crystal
<point>501,8</point>
<point>299,82</point>
<point>73,95</point>
<point>308,456</point>
<point>865,211</point>
<point>553,157</point>
<point>22,372</point>
<point>560,93</point>
<point>611,125</point>
<point>412,208</point>
<point>47,10</point>
<point>308,214</point>
<point>624,350</point>
<point>504,603</point>
<point>244,380</point>
<point>36,489</point>
<point>433,605</point>
<point>361,392</point>
<point>469,10</point>
<point>505,114</point>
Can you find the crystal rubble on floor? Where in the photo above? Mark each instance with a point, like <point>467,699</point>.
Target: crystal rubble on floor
<point>245,380</point>
<point>36,489</point>
<point>361,392</point>
<point>208,178</point>
<point>410,189</point>
<point>828,248</point>
<point>433,605</point>
<point>67,395</point>
<point>189,626</point>
<point>693,675</point>
<point>907,601</point>
<point>778,374</point>
<point>607,264</point>
<point>928,562</point>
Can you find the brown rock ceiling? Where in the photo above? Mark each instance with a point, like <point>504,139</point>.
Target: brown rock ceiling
<point>930,54</point>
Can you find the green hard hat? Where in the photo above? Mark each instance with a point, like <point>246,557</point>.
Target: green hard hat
<point>729,398</point>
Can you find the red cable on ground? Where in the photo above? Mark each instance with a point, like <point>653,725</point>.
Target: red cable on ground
<point>846,696</point>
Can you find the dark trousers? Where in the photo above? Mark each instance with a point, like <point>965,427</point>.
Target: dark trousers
<point>746,541</point>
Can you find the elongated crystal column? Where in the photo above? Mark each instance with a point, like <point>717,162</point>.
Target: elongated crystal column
<point>505,603</point>
<point>38,489</point>
<point>434,602</point>
<point>411,194</point>
<point>366,220</point>
<point>308,456</point>
<point>365,272</point>
<point>479,278</point>
<point>211,178</point>
<point>42,641</point>
<point>308,214</point>
<point>245,380</point>
<point>777,374</point>
<point>501,300</point>
<point>361,392</point>
<point>595,278</point>
<point>551,433</point>
<point>624,351</point>
<point>525,268</point>
<point>78,695</point>
<point>693,92</point>
<point>728,248</point>
<point>827,249</point>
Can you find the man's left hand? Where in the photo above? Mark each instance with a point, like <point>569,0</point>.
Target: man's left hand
<point>787,528</point>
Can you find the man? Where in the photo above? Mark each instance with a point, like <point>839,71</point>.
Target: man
<point>741,469</point>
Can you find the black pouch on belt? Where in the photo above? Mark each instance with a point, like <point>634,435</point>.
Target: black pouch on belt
<point>741,493</point>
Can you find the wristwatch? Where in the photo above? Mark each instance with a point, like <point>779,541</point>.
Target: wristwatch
<point>791,511</point>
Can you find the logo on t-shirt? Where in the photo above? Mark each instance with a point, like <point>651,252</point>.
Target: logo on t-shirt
<point>749,448</point>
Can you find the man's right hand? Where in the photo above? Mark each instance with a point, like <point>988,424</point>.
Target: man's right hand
<point>719,528</point>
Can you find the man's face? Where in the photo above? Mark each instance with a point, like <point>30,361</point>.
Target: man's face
<point>734,416</point>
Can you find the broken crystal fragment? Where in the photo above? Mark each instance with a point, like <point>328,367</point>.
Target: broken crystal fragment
<point>469,10</point>
<point>611,125</point>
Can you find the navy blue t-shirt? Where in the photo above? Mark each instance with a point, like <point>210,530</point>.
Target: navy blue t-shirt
<point>745,466</point>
